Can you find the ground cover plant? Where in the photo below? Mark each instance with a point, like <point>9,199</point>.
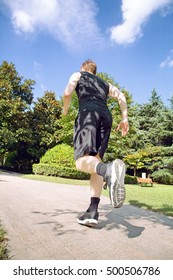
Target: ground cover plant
<point>3,245</point>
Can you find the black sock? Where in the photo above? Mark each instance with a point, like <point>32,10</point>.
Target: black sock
<point>94,204</point>
<point>101,169</point>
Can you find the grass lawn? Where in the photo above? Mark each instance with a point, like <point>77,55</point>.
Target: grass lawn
<point>157,198</point>
<point>58,180</point>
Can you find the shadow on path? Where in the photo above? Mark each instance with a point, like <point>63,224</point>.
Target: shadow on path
<point>165,207</point>
<point>128,212</point>
<point>125,218</point>
<point>59,227</point>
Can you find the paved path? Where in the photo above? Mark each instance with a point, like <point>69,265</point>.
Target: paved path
<point>40,219</point>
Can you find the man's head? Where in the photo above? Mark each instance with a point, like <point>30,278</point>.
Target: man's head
<point>89,66</point>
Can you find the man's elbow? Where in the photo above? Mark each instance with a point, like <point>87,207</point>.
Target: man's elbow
<point>67,93</point>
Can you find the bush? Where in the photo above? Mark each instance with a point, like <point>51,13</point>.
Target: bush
<point>10,159</point>
<point>62,155</point>
<point>58,171</point>
<point>163,176</point>
<point>170,165</point>
<point>67,172</point>
<point>3,245</point>
<point>18,161</point>
<point>59,161</point>
<point>130,179</point>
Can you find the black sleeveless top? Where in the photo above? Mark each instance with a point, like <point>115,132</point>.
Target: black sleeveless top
<point>92,93</point>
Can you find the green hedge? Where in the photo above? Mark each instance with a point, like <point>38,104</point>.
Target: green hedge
<point>163,176</point>
<point>130,179</point>
<point>59,161</point>
<point>58,171</point>
<point>61,155</point>
<point>66,172</point>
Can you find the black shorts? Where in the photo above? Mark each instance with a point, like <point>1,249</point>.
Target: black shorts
<point>91,134</point>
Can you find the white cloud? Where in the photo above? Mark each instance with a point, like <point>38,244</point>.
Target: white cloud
<point>135,13</point>
<point>168,61</point>
<point>73,22</point>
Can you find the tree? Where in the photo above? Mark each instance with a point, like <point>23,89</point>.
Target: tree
<point>15,99</point>
<point>154,123</point>
<point>171,102</point>
<point>45,124</point>
<point>137,160</point>
<point>12,85</point>
<point>150,159</point>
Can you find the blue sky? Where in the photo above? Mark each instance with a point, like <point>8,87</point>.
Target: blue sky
<point>131,40</point>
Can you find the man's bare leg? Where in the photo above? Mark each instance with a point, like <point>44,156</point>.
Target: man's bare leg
<point>96,184</point>
<point>88,164</point>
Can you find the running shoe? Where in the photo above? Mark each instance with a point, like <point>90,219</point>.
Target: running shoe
<point>88,219</point>
<point>114,179</point>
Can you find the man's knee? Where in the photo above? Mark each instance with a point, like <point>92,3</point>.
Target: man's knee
<point>78,164</point>
<point>82,162</point>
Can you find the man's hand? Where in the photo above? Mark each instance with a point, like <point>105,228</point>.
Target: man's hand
<point>124,127</point>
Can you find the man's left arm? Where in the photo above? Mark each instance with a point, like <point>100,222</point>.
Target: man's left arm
<point>116,93</point>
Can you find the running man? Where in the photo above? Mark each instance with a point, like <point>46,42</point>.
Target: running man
<point>91,135</point>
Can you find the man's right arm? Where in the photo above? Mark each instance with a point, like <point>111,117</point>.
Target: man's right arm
<point>69,90</point>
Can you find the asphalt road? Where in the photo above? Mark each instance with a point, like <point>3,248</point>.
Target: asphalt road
<point>40,220</point>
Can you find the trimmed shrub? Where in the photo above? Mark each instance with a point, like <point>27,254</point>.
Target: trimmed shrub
<point>62,155</point>
<point>130,179</point>
<point>163,176</point>
<point>58,171</point>
<point>67,172</point>
<point>59,161</point>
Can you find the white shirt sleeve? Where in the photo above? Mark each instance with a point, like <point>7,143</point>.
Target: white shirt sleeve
<point>114,91</point>
<point>72,82</point>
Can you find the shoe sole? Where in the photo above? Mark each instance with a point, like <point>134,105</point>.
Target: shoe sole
<point>117,188</point>
<point>88,222</point>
